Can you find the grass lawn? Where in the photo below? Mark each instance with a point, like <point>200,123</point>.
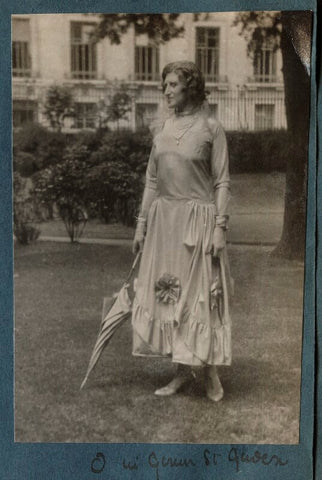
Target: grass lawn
<point>58,298</point>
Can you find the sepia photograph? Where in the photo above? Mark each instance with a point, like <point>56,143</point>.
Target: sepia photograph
<point>160,184</point>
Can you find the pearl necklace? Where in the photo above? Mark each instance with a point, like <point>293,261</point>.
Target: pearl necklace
<point>179,137</point>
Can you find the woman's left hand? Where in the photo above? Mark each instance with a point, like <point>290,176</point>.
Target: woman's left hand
<point>219,241</point>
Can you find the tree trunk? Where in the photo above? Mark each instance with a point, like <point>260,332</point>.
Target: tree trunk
<point>297,104</point>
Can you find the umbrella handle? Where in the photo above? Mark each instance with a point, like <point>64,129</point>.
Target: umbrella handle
<point>133,266</point>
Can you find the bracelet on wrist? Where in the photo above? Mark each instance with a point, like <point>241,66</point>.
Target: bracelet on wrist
<point>224,228</point>
<point>222,221</point>
<point>140,220</point>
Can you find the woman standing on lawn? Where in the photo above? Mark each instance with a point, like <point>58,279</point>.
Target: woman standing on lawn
<point>180,308</point>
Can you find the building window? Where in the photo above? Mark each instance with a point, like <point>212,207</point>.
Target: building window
<point>265,65</point>
<point>207,52</point>
<point>147,63</point>
<point>21,60</point>
<point>23,111</point>
<point>83,51</point>
<point>264,116</point>
<point>85,115</point>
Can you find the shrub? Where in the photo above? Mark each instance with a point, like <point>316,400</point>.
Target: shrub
<point>74,217</point>
<point>115,180</point>
<point>45,147</point>
<point>24,211</point>
<point>115,108</point>
<point>64,185</point>
<point>59,103</point>
<point>25,163</point>
<point>29,137</point>
<point>91,140</point>
<point>114,191</point>
<point>51,149</point>
<point>100,172</point>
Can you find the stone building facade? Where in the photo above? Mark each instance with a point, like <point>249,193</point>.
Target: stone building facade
<point>55,49</point>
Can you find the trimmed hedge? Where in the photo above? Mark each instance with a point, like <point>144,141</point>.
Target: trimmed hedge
<point>35,147</point>
<point>255,152</point>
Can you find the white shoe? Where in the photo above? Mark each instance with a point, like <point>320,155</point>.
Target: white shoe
<point>182,376</point>
<point>214,389</point>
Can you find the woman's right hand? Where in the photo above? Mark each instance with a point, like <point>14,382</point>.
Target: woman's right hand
<point>138,243</point>
<point>139,236</point>
<point>219,241</point>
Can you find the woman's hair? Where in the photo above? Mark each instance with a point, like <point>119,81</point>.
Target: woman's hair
<point>191,76</point>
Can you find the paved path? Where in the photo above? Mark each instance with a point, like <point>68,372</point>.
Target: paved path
<point>261,228</point>
<point>244,229</point>
<point>98,241</point>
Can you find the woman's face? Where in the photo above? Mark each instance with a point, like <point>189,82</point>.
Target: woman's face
<point>175,91</point>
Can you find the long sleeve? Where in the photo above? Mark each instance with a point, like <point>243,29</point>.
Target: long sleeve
<point>149,193</point>
<point>220,170</point>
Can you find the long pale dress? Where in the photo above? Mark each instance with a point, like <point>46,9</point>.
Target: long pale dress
<point>187,185</point>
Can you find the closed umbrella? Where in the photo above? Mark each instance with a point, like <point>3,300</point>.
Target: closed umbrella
<point>116,316</point>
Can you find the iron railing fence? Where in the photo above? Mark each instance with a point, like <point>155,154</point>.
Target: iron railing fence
<point>251,107</point>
